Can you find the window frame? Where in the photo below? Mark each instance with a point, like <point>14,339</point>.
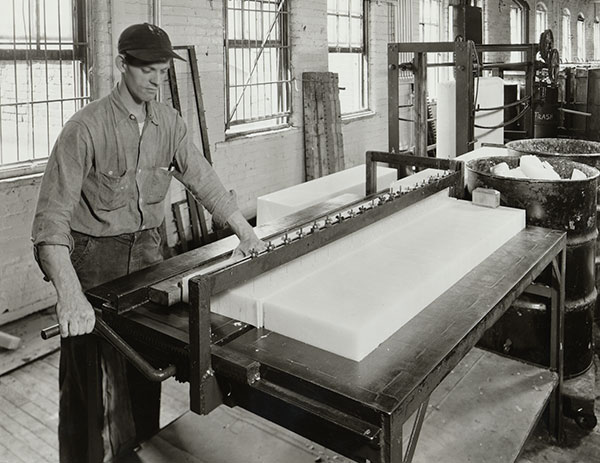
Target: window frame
<point>581,48</point>
<point>541,19</point>
<point>280,119</point>
<point>364,80</point>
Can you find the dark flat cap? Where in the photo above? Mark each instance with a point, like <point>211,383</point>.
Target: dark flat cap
<point>147,42</point>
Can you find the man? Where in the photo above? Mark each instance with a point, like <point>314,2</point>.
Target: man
<point>100,204</point>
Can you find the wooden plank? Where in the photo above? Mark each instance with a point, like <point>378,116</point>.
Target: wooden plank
<point>323,146</point>
<point>310,128</point>
<point>8,341</point>
<point>486,413</point>
<point>176,207</point>
<point>24,441</point>
<point>32,345</point>
<point>420,104</point>
<point>230,435</point>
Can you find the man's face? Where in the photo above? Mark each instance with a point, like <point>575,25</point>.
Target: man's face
<point>143,82</point>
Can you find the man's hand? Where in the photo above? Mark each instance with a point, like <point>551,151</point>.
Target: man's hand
<point>248,240</point>
<point>247,245</point>
<point>75,315</point>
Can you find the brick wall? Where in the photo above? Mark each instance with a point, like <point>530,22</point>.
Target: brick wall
<point>497,22</point>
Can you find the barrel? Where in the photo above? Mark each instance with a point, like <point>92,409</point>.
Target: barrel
<point>583,151</point>
<point>570,206</point>
<point>545,112</point>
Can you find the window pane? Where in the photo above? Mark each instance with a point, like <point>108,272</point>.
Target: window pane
<point>343,6</point>
<point>356,32</point>
<point>332,36</point>
<point>348,66</point>
<point>356,7</point>
<point>57,25</point>
<point>343,31</point>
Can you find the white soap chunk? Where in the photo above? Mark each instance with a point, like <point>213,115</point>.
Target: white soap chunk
<point>500,169</point>
<point>578,175</point>
<point>533,168</point>
<point>515,173</point>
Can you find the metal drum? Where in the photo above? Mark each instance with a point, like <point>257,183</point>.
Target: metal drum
<point>568,205</point>
<point>586,152</point>
<point>546,113</point>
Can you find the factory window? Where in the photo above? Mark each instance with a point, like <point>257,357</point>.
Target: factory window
<point>597,38</point>
<point>541,19</point>
<point>43,75</point>
<point>430,15</point>
<point>516,30</point>
<point>257,71</point>
<point>581,37</point>
<point>403,32</point>
<point>566,36</point>
<point>347,38</point>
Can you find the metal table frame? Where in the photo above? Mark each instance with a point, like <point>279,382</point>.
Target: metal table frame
<point>267,361</point>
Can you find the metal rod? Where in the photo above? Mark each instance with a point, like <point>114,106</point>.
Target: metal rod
<point>572,111</point>
<point>102,329</point>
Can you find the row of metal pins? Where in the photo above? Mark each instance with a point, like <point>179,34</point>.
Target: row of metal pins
<point>350,213</point>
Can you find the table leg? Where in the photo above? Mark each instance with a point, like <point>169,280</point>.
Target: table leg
<point>557,343</point>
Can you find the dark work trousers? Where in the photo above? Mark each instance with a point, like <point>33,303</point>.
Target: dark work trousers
<point>131,404</point>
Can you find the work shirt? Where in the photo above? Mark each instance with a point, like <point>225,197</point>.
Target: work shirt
<point>104,179</point>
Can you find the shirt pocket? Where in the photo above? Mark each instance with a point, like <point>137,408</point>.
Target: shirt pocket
<point>157,184</point>
<point>113,191</point>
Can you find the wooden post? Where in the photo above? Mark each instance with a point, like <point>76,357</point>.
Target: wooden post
<point>420,64</point>
<point>464,98</point>
<point>204,392</point>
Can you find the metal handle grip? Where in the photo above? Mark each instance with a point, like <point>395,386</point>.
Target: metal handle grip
<point>50,332</point>
<point>105,331</point>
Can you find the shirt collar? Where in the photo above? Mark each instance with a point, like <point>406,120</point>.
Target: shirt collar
<point>122,113</point>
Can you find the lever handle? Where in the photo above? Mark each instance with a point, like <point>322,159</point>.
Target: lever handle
<point>102,329</point>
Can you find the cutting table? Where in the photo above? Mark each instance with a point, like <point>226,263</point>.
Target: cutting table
<point>356,408</point>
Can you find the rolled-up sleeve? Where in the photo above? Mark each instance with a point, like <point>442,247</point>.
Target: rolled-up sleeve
<point>196,173</point>
<point>60,191</point>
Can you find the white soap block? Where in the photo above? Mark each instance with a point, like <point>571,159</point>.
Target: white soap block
<point>245,302</point>
<point>578,175</point>
<point>353,305</point>
<point>278,204</point>
<point>490,94</point>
